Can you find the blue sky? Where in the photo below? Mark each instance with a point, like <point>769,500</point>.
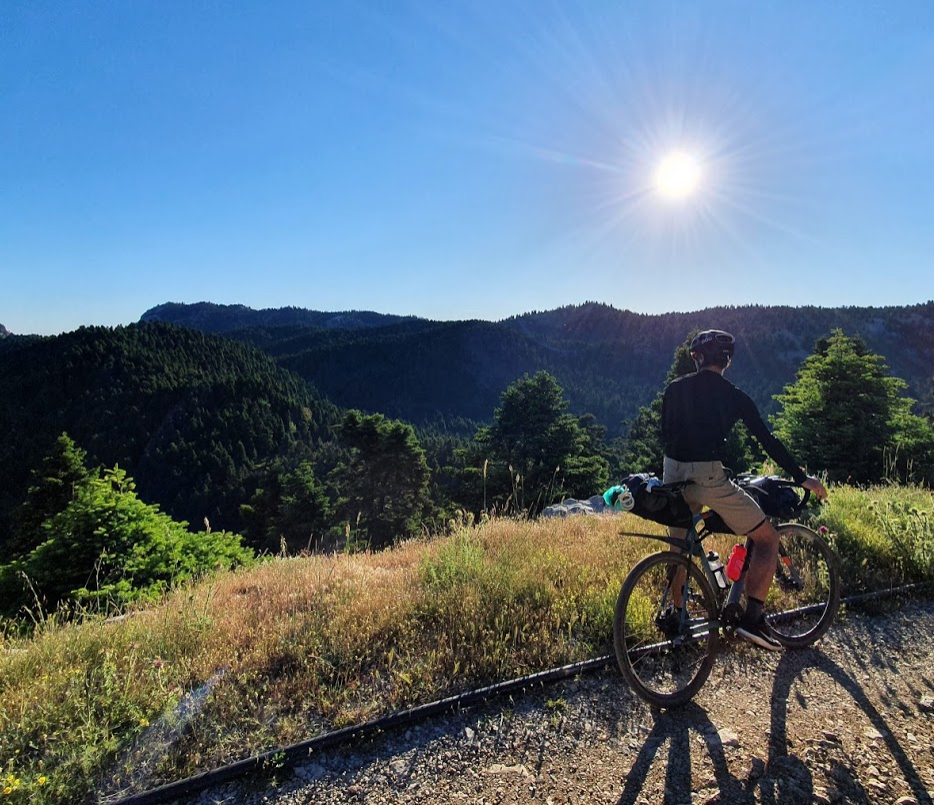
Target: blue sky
<point>464,159</point>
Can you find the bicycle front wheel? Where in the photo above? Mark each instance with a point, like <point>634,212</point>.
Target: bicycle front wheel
<point>805,594</point>
<point>665,656</point>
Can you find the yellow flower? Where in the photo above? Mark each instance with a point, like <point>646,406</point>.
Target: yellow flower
<point>144,722</point>
<point>7,791</point>
<point>42,780</point>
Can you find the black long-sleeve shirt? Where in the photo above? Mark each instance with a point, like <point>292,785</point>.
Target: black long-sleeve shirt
<point>698,413</point>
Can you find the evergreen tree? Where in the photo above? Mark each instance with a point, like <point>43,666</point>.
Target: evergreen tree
<point>845,414</point>
<point>106,544</point>
<point>383,481</point>
<point>291,509</point>
<point>535,452</point>
<point>53,488</point>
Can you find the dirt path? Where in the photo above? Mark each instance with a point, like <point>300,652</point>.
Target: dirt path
<point>851,721</point>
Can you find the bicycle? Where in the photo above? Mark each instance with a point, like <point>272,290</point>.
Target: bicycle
<point>666,657</point>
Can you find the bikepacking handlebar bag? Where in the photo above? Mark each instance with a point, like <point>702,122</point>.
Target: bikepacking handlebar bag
<point>775,497</point>
<point>657,508</point>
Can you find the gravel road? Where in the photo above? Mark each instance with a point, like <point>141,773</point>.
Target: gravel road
<point>849,721</point>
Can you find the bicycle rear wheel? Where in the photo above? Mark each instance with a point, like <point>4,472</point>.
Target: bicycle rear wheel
<point>805,594</point>
<point>665,663</point>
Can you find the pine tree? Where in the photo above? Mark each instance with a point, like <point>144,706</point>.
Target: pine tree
<point>62,471</point>
<point>108,545</point>
<point>846,415</point>
<point>535,452</point>
<point>383,481</point>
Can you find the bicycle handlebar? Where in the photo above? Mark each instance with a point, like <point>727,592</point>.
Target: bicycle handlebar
<point>802,504</point>
<point>804,500</point>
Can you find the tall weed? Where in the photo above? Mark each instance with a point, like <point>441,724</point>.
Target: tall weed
<point>883,535</point>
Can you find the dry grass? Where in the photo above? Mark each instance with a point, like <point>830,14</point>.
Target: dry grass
<point>294,647</point>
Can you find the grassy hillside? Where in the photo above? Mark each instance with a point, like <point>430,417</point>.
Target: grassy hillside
<point>252,660</point>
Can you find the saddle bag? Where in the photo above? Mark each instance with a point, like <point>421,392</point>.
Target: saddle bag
<point>634,494</point>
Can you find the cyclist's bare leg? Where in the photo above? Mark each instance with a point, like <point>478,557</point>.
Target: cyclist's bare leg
<point>762,562</point>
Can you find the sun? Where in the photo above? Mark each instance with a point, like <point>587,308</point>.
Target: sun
<point>678,175</point>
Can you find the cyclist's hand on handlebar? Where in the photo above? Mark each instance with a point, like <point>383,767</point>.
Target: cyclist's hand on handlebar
<point>815,487</point>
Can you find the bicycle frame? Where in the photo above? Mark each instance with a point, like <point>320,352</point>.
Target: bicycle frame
<point>692,545</point>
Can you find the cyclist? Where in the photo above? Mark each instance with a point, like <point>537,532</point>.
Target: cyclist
<point>698,412</point>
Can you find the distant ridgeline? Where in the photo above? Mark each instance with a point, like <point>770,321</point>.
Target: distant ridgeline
<point>193,418</point>
<point>609,362</point>
<point>211,318</point>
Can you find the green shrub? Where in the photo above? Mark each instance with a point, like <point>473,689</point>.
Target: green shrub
<point>883,535</point>
<point>110,548</point>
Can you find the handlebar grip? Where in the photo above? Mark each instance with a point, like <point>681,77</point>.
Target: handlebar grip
<point>805,499</point>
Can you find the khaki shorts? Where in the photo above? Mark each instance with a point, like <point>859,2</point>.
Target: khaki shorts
<point>712,487</point>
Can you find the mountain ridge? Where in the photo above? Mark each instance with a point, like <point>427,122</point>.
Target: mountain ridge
<point>213,318</point>
<point>609,361</point>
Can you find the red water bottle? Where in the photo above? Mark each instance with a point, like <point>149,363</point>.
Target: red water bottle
<point>734,566</point>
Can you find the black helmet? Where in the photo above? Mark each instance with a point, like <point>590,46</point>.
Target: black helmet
<point>715,346</point>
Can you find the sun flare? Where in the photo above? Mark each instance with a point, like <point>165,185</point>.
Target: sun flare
<point>677,175</point>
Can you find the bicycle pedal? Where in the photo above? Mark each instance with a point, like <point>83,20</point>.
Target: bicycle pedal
<point>731,616</point>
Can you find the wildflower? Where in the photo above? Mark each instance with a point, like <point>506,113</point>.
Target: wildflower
<point>42,780</point>
<point>7,791</point>
<point>144,722</point>
<point>823,529</point>
<point>157,663</point>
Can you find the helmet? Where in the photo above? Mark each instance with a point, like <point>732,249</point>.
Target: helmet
<point>715,346</point>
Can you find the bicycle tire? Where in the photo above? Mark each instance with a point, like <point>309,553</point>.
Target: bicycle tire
<point>805,594</point>
<point>665,671</point>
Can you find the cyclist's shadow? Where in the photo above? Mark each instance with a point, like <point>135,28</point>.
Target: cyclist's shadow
<point>676,727</point>
<point>787,778</point>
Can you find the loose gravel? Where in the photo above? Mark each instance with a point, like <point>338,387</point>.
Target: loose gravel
<point>848,721</point>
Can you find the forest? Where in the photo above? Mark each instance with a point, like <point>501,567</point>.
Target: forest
<point>609,362</point>
<point>344,431</point>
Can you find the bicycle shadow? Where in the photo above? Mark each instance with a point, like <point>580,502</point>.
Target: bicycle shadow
<point>676,727</point>
<point>787,777</point>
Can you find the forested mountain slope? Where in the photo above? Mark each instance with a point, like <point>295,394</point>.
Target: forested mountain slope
<point>452,371</point>
<point>608,361</point>
<point>771,341</point>
<point>192,417</point>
